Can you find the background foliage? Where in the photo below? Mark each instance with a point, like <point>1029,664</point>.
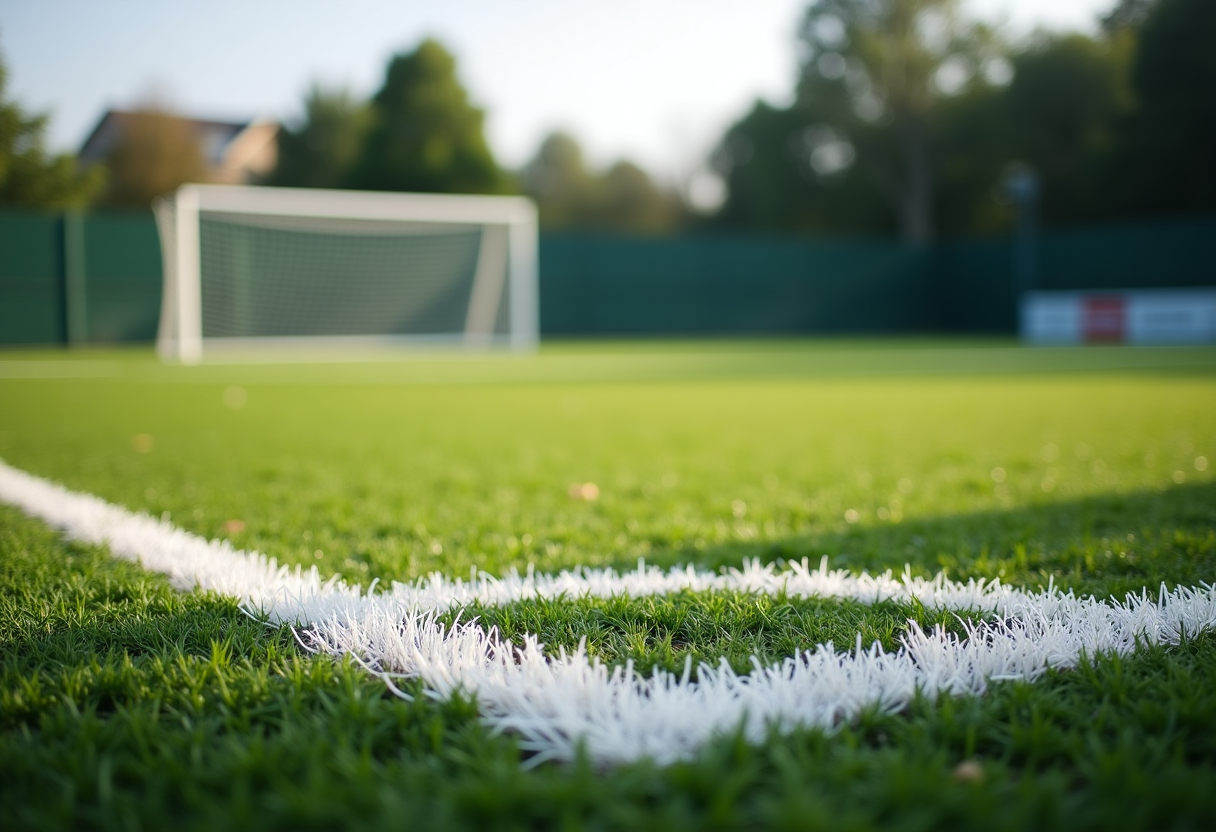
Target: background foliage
<point>155,153</point>
<point>424,134</point>
<point>906,116</point>
<point>1117,124</point>
<point>30,177</point>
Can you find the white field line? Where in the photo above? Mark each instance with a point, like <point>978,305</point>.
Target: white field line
<point>555,703</point>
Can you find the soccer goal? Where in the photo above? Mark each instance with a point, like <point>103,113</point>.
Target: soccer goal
<point>248,267</point>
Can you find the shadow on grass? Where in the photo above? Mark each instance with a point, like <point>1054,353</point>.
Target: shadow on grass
<point>1103,544</point>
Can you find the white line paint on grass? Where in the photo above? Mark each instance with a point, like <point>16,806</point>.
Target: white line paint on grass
<point>557,702</point>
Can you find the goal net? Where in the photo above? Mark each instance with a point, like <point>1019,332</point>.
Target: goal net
<point>248,267</point>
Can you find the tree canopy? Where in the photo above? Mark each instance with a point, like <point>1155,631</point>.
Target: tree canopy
<point>873,74</point>
<point>1059,114</point>
<point>30,177</point>
<point>156,152</point>
<point>424,134</point>
<point>906,117</point>
<point>321,149</point>
<point>420,133</point>
<point>622,198</point>
<point>1167,160</point>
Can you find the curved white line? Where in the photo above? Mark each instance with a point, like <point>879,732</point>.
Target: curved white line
<point>557,703</point>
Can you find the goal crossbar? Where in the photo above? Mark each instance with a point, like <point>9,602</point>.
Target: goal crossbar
<point>485,260</point>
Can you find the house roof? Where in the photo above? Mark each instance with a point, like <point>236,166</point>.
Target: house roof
<point>230,145</point>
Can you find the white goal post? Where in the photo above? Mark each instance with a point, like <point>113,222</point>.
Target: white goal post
<point>250,267</point>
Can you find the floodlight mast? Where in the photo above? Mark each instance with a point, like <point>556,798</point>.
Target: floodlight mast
<point>1021,184</point>
<point>501,286</point>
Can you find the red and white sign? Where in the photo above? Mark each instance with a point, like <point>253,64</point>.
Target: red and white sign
<point>1104,318</point>
<point>1149,316</point>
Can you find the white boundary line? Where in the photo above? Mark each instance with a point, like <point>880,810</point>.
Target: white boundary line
<point>558,703</point>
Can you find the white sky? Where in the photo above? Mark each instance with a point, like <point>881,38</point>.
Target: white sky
<point>656,81</point>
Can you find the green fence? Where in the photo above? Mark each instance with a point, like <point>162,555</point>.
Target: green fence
<point>729,285</point>
<point>78,279</point>
<point>96,279</point>
<point>596,285</point>
<point>32,278</point>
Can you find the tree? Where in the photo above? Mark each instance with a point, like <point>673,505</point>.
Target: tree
<point>1059,114</point>
<point>873,74</point>
<point>1167,159</point>
<point>783,174</point>
<point>895,101</point>
<point>623,198</point>
<point>1127,14</point>
<point>629,200</point>
<point>425,135</point>
<point>29,176</point>
<point>1064,106</point>
<point>558,181</point>
<point>321,151</point>
<point>857,150</point>
<point>973,147</point>
<point>155,153</point>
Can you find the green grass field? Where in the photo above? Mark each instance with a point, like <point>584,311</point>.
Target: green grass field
<point>126,705</point>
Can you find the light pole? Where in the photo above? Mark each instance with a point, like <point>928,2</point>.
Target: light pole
<point>1020,185</point>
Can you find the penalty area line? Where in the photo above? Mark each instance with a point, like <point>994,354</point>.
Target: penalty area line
<point>559,703</point>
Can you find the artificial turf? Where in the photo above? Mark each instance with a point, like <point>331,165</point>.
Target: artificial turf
<point>125,705</point>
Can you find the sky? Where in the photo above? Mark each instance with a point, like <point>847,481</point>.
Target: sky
<point>655,81</point>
